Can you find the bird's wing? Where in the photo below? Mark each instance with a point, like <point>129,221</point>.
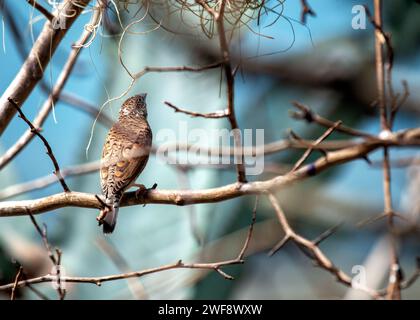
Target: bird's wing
<point>123,159</point>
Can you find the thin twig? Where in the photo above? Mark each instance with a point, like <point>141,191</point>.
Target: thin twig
<point>328,233</point>
<point>250,230</point>
<point>308,152</point>
<point>48,180</point>
<point>61,291</point>
<point>33,68</point>
<point>211,115</point>
<point>48,105</point>
<point>315,252</point>
<point>227,67</point>
<point>43,234</point>
<point>15,284</point>
<point>177,69</point>
<point>394,285</point>
<point>310,116</point>
<point>47,145</point>
<point>55,259</point>
<point>219,18</point>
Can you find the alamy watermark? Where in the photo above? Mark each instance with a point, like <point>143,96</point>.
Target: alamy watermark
<point>210,147</point>
<point>359,19</point>
<point>359,279</point>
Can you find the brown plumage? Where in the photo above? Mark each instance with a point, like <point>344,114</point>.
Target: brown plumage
<point>124,156</point>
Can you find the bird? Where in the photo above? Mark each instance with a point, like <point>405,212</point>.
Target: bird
<point>124,156</point>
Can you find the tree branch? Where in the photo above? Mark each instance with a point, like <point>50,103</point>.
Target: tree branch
<point>216,266</point>
<point>394,285</point>
<point>48,180</point>
<point>315,252</point>
<point>211,115</point>
<point>47,146</point>
<point>307,114</point>
<point>52,99</point>
<point>33,68</point>
<point>230,80</point>
<point>188,197</point>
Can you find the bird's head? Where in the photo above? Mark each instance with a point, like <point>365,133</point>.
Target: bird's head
<point>135,106</point>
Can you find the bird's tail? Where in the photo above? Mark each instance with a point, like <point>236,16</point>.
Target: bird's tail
<point>110,219</point>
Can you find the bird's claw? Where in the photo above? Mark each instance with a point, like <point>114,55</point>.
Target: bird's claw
<point>100,218</point>
<point>142,191</point>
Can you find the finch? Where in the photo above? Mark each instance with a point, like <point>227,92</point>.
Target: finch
<point>124,156</point>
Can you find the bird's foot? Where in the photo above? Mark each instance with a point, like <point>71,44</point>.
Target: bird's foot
<point>142,191</point>
<point>100,218</point>
<point>103,212</point>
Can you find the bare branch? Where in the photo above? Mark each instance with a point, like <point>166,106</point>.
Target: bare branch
<point>310,116</point>
<point>219,18</point>
<point>47,146</point>
<point>33,68</point>
<point>381,38</point>
<point>15,283</point>
<point>216,266</point>
<point>48,180</point>
<point>52,99</point>
<point>55,259</point>
<point>43,234</point>
<point>315,253</point>
<point>308,152</point>
<point>177,69</point>
<point>250,230</point>
<point>227,67</point>
<point>257,151</point>
<point>188,197</point>
<point>211,115</point>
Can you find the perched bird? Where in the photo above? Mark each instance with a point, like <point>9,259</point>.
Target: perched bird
<point>124,156</point>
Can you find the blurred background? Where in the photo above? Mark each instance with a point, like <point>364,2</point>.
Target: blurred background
<point>325,64</point>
